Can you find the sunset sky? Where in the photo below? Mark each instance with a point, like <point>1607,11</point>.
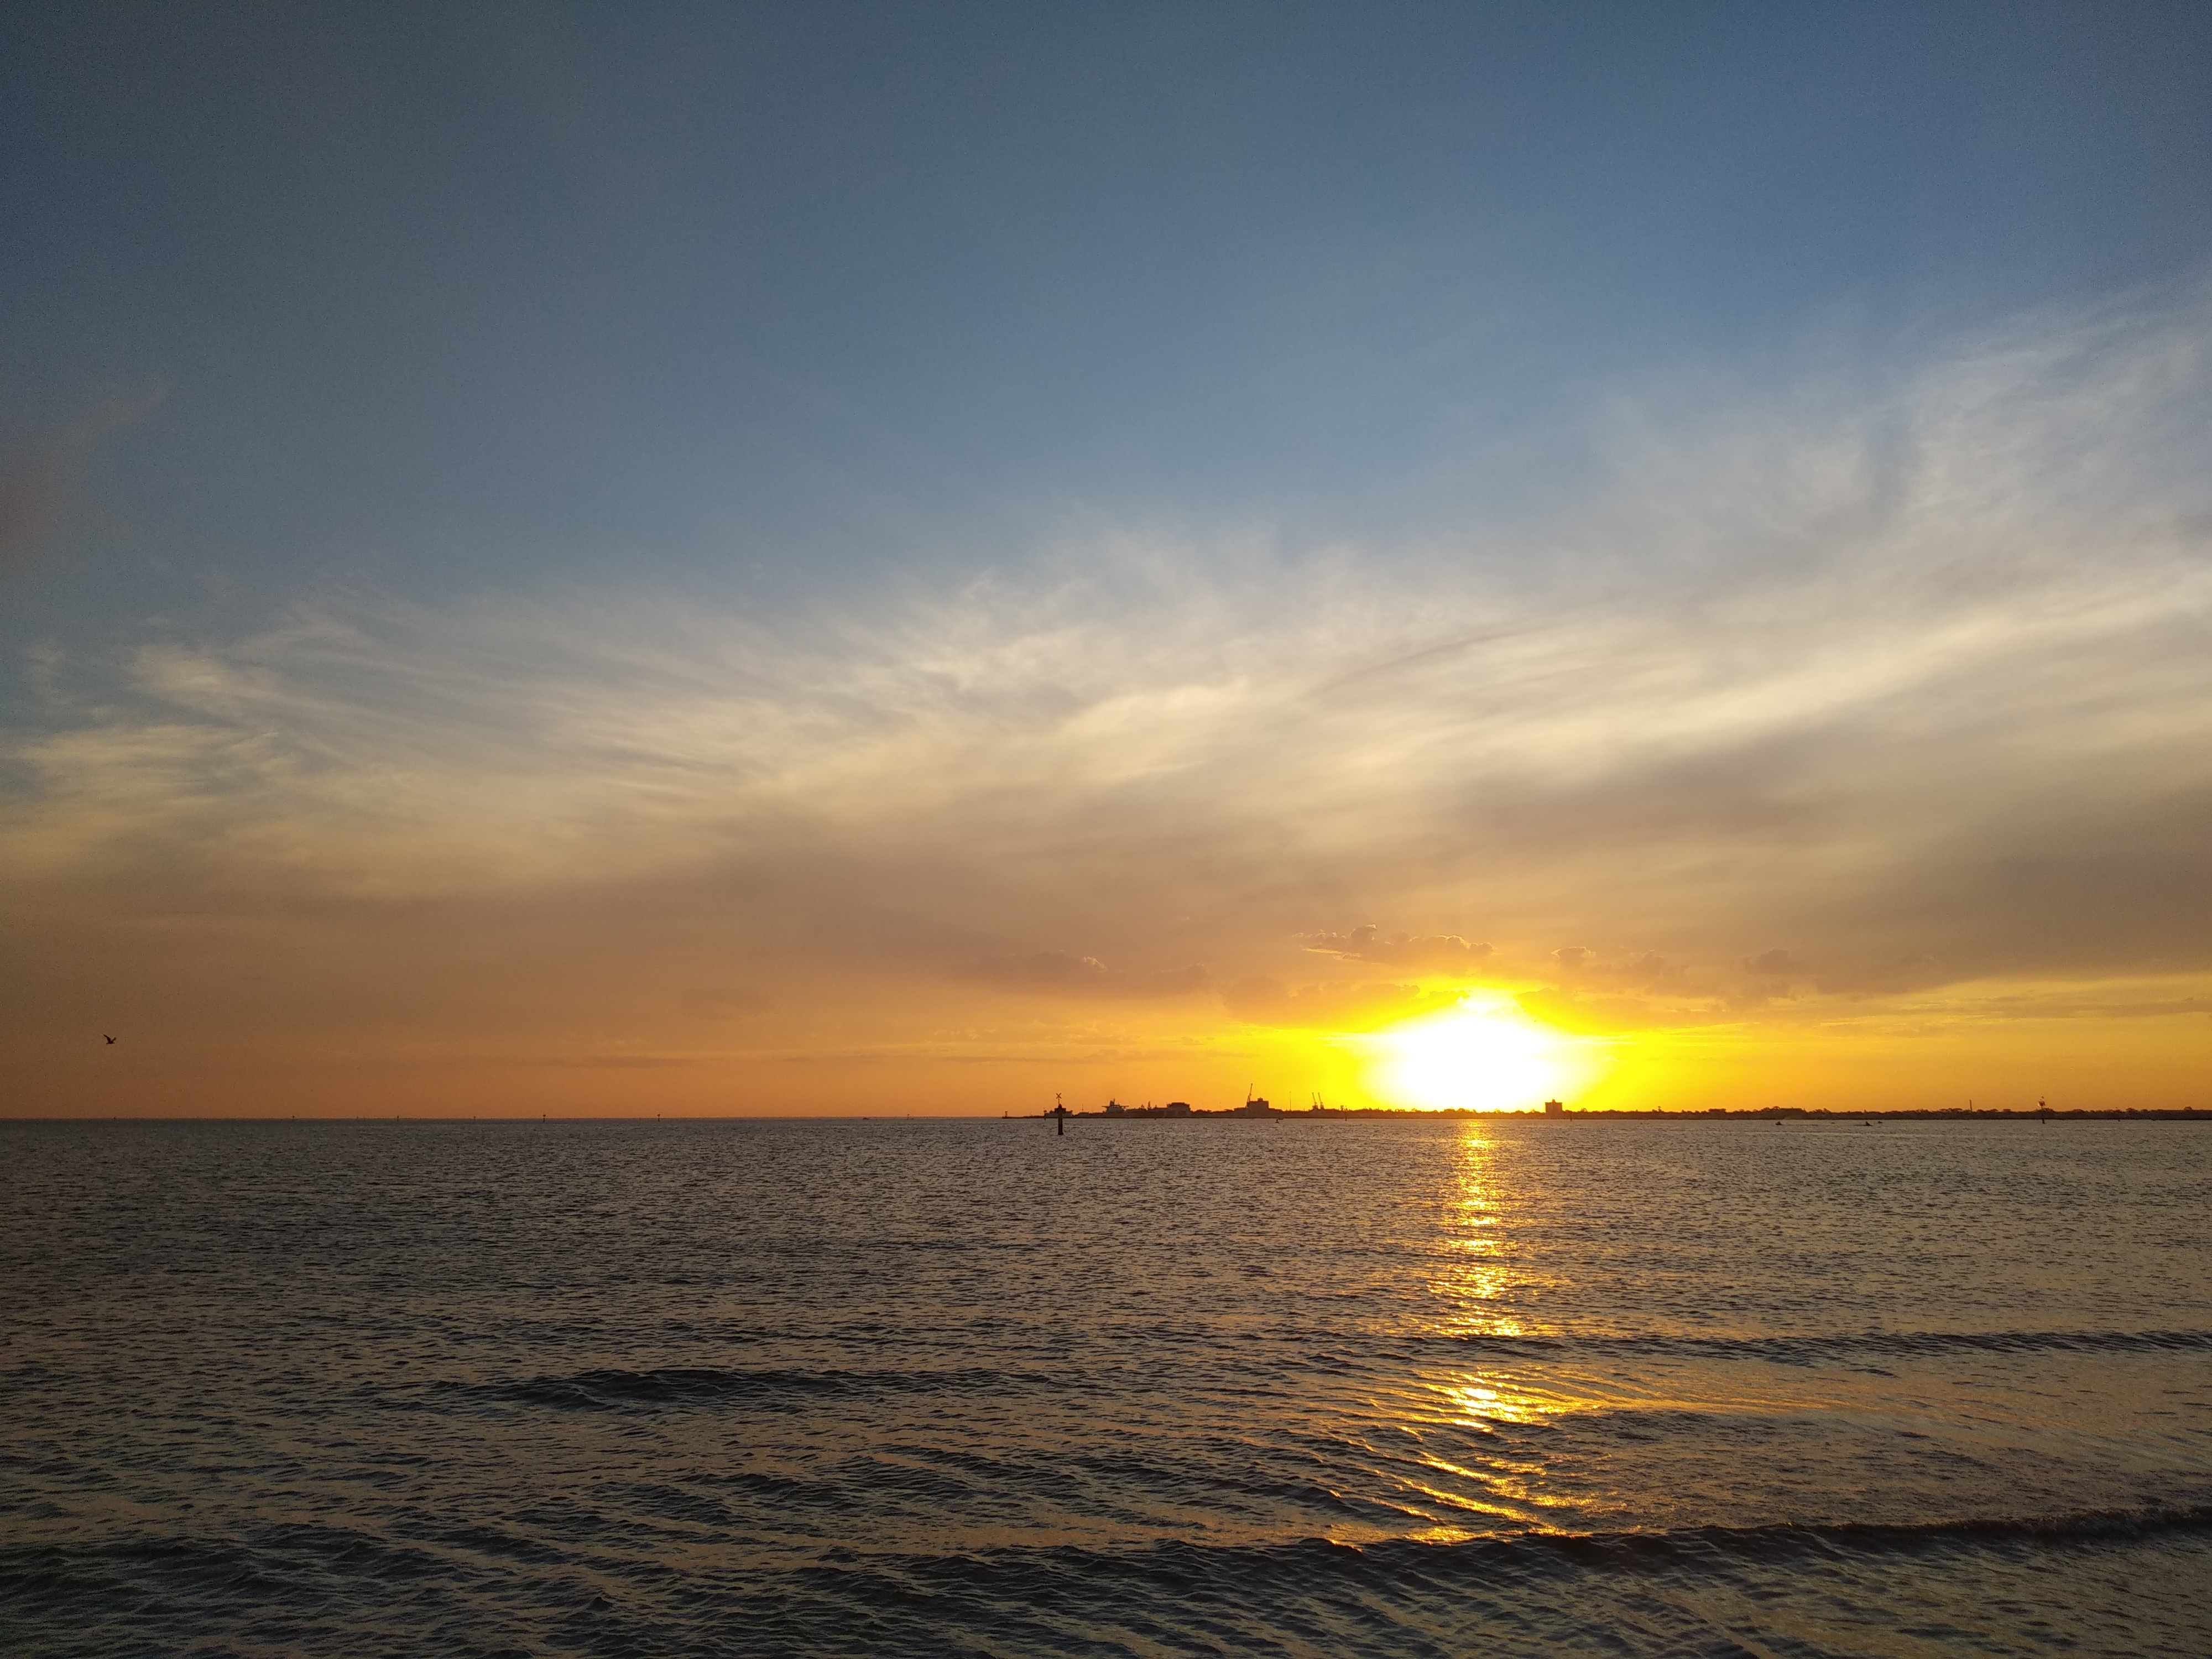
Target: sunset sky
<point>911,558</point>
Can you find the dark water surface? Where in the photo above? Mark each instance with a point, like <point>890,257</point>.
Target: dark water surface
<point>1278,1387</point>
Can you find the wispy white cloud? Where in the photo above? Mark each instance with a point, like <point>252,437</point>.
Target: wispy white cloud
<point>1920,674</point>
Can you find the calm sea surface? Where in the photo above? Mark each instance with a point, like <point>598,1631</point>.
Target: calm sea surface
<point>1274,1388</point>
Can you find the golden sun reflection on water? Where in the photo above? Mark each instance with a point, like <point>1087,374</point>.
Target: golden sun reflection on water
<point>1494,1400</point>
<point>1478,1284</point>
<point>1476,1271</point>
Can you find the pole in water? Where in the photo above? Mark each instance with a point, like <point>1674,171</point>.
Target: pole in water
<point>1058,1115</point>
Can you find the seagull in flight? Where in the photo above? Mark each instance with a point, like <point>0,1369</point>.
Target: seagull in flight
<point>104,1034</point>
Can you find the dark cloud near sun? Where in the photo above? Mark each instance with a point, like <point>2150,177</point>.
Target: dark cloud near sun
<point>1775,964</point>
<point>1579,965</point>
<point>1445,953</point>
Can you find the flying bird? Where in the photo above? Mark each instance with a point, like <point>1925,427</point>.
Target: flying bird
<point>104,1034</point>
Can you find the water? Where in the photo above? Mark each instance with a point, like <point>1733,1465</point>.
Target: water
<point>1386,1388</point>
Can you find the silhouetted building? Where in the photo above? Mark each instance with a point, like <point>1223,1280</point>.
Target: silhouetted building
<point>1555,1108</point>
<point>1115,1109</point>
<point>1175,1109</point>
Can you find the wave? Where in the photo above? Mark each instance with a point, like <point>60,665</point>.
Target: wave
<point>1543,1550</point>
<point>1396,1595</point>
<point>1787,1538</point>
<point>615,1389</point>
<point>328,1546</point>
<point>1896,1344</point>
<point>1848,1587</point>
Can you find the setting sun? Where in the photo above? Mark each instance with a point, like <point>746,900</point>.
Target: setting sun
<point>1488,1058</point>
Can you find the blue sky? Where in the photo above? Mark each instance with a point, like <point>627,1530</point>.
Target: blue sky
<point>879,475</point>
<point>445,297</point>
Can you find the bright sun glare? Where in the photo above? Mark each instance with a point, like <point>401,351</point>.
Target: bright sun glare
<point>1489,1059</point>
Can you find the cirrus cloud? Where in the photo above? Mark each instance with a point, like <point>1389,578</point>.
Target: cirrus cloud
<point>1921,683</point>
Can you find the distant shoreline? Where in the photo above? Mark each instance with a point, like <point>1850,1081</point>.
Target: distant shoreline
<point>1765,1113</point>
<point>1819,1113</point>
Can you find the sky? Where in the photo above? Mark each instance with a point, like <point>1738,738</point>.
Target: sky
<point>870,559</point>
